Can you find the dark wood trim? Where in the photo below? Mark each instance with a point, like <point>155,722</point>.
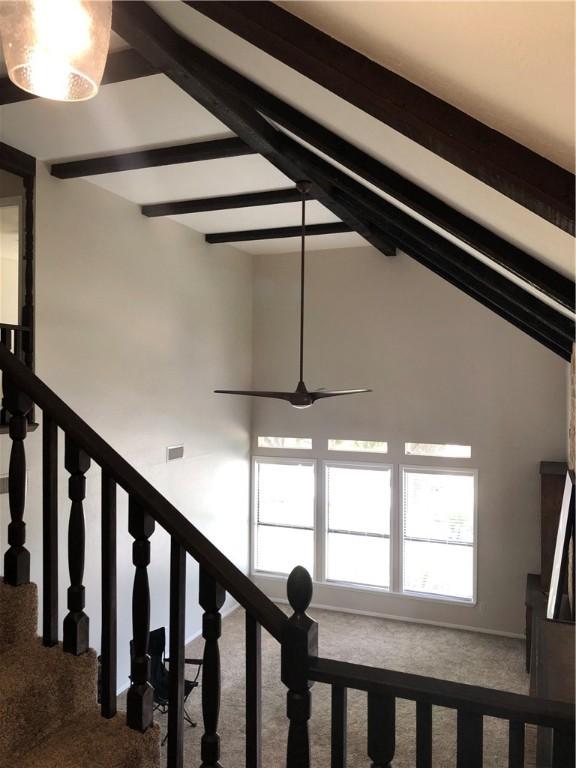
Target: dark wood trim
<point>214,149</point>
<point>15,161</point>
<point>175,751</point>
<point>21,164</point>
<point>253,639</point>
<point>120,66</point>
<point>333,228</point>
<point>339,727</point>
<point>108,703</point>
<point>49,532</point>
<point>382,225</point>
<point>224,202</point>
<point>443,693</point>
<point>126,65</point>
<point>423,735</point>
<point>511,257</point>
<point>469,231</point>
<point>203,78</point>
<point>166,514</point>
<point>504,164</point>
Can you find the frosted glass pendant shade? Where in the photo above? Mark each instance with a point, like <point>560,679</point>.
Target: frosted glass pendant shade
<point>56,48</point>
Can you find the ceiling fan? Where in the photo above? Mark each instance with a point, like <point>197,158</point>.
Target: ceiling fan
<point>301,397</point>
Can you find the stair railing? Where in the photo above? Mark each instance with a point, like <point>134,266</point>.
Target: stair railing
<point>146,508</point>
<point>300,668</point>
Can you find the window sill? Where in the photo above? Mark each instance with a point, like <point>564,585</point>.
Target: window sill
<point>363,588</point>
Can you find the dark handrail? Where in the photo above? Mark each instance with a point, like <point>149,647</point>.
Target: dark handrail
<point>443,693</point>
<point>187,535</point>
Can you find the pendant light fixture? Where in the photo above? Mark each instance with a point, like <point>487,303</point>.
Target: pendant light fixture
<point>301,397</point>
<point>56,48</point>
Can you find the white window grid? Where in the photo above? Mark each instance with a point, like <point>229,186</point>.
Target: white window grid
<point>396,523</point>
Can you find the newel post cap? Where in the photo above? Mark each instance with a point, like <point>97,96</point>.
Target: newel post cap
<point>299,589</point>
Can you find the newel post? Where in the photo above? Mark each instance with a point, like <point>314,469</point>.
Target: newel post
<point>299,642</point>
<point>17,557</point>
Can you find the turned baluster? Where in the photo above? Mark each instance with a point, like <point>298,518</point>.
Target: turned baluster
<point>76,623</point>
<point>17,557</point>
<point>212,598</point>
<point>299,642</point>
<point>140,698</point>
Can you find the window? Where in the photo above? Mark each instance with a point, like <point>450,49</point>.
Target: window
<point>438,538</point>
<point>441,450</point>
<point>284,504</point>
<point>284,442</point>
<point>358,524</point>
<point>366,446</point>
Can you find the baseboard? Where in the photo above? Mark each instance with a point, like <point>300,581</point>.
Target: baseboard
<point>411,620</point>
<point>124,687</point>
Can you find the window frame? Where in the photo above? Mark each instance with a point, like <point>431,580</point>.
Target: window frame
<point>379,466</point>
<point>319,463</point>
<point>308,461</point>
<point>436,470</point>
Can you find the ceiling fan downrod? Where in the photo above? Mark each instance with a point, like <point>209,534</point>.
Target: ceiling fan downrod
<point>301,397</point>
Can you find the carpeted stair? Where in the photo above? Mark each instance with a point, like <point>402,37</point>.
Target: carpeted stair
<point>48,712</point>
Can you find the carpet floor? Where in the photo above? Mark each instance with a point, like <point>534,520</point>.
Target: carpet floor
<point>468,657</point>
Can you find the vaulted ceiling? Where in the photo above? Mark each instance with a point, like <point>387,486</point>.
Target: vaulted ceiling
<point>505,64</point>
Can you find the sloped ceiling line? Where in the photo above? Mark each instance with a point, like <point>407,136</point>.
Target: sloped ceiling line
<point>514,170</point>
<point>509,256</point>
<point>201,76</point>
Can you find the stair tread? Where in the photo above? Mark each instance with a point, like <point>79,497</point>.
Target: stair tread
<point>91,740</point>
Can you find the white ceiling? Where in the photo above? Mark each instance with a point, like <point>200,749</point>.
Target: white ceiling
<point>127,116</point>
<point>154,112</point>
<point>481,202</point>
<point>509,64</point>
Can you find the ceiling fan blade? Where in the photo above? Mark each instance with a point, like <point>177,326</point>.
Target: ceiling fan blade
<point>321,393</point>
<point>255,393</point>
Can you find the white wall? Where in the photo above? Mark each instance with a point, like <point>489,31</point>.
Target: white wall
<point>443,369</point>
<point>11,199</point>
<point>138,320</point>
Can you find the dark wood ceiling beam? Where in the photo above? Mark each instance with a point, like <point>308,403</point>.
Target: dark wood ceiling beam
<point>196,72</point>
<point>15,161</point>
<point>273,233</point>
<point>214,149</point>
<point>506,165</point>
<point>120,66</point>
<point>208,81</point>
<point>510,257</point>
<point>223,202</point>
<point>467,230</point>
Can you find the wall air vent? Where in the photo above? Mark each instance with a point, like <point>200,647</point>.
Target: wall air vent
<point>174,452</point>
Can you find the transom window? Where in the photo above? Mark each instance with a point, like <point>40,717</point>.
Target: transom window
<point>351,523</point>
